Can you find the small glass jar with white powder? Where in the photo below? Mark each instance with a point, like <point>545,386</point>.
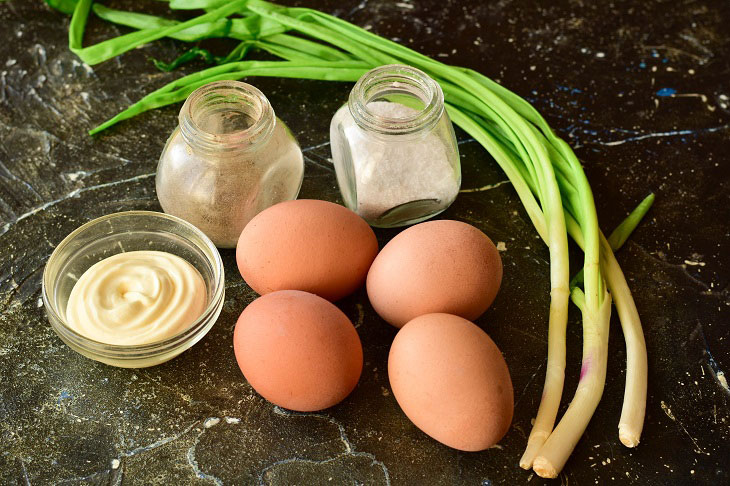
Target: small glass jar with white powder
<point>394,148</point>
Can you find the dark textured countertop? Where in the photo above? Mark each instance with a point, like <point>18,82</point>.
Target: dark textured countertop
<point>639,89</point>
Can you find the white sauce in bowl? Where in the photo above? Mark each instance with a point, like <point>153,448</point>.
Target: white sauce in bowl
<point>138,297</point>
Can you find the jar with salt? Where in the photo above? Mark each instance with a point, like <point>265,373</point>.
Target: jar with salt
<point>229,159</point>
<point>394,149</point>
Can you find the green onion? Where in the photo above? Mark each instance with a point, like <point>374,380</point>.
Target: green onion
<point>180,89</point>
<point>113,47</point>
<point>543,169</point>
<point>186,57</point>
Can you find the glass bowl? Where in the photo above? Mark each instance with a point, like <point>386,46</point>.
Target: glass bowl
<point>123,232</point>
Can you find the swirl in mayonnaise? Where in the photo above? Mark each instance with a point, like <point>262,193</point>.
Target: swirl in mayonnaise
<point>137,297</point>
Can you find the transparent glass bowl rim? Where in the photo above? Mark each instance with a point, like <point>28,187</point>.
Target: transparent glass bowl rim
<point>140,350</point>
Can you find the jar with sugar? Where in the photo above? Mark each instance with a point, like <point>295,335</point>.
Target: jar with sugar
<point>229,159</point>
<point>394,148</point>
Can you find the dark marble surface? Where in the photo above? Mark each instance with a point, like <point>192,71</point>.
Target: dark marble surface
<point>641,91</point>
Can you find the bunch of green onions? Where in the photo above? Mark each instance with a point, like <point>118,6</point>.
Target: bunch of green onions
<point>543,169</point>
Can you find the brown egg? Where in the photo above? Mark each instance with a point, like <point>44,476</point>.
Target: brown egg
<point>314,246</point>
<point>451,380</point>
<point>438,266</point>
<point>298,350</point>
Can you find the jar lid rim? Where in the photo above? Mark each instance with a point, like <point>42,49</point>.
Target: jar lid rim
<point>396,77</point>
<point>259,131</point>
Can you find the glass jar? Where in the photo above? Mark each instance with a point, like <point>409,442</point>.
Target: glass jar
<point>229,159</point>
<point>394,148</point>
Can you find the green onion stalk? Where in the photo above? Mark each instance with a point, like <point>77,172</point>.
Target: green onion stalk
<point>543,169</point>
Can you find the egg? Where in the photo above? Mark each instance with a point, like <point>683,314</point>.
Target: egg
<point>438,266</point>
<point>314,246</point>
<point>451,381</point>
<point>298,350</point>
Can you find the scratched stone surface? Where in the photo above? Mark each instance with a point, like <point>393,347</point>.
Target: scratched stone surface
<point>640,90</point>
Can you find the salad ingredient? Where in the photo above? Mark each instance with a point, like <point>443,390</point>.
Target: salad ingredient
<point>137,297</point>
<point>542,168</point>
<point>451,381</point>
<point>557,448</point>
<point>113,47</point>
<point>298,350</point>
<point>438,266</point>
<point>229,159</point>
<point>394,148</point>
<point>310,245</point>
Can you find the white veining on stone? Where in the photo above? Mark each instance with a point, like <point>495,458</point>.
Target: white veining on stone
<point>349,448</point>
<point>190,456</point>
<point>210,422</point>
<point>485,188</point>
<point>672,133</point>
<point>4,229</point>
<point>314,147</point>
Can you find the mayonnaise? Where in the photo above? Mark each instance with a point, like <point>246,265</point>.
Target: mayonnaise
<point>138,297</point>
